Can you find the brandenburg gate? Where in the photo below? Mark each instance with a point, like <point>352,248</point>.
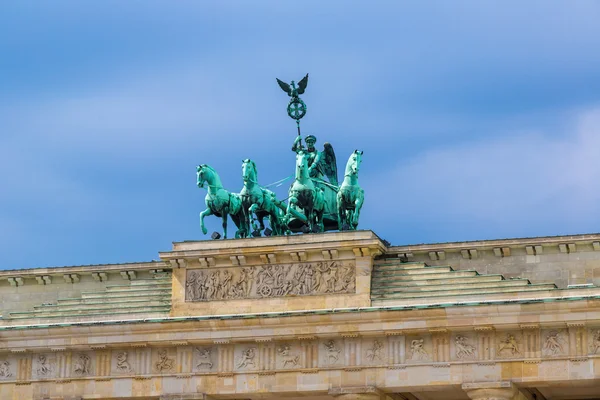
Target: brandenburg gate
<point>341,315</point>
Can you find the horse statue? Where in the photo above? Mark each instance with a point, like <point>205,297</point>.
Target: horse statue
<point>303,194</point>
<point>350,196</point>
<point>219,201</point>
<point>259,201</point>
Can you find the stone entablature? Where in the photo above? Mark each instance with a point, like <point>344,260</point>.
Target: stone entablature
<point>435,346</point>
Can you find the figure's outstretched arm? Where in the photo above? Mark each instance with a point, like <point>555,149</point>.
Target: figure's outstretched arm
<point>297,144</point>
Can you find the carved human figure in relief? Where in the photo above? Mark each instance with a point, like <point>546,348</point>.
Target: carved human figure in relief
<point>204,358</point>
<point>5,369</point>
<point>247,358</point>
<point>122,363</point>
<point>164,363</point>
<point>463,349</point>
<point>82,364</point>
<point>43,367</point>
<point>554,344</point>
<point>375,351</point>
<point>332,354</point>
<point>510,344</point>
<point>286,357</point>
<point>417,349</point>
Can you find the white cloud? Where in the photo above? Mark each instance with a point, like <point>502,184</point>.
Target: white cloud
<point>524,183</point>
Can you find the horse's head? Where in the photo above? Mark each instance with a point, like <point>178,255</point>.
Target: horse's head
<point>354,161</point>
<point>201,172</point>
<point>249,172</point>
<point>301,163</point>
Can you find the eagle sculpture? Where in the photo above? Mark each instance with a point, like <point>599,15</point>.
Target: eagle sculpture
<point>291,89</point>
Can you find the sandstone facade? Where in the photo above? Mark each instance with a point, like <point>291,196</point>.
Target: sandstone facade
<point>336,315</point>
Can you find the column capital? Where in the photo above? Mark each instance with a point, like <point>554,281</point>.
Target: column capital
<point>357,393</point>
<point>491,390</point>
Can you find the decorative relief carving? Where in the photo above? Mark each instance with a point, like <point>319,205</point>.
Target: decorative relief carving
<point>554,344</point>
<point>247,358</point>
<point>374,353</point>
<point>44,367</point>
<point>5,369</point>
<point>123,365</point>
<point>82,364</point>
<point>417,350</point>
<point>463,349</point>
<point>595,342</point>
<point>332,352</point>
<point>203,359</point>
<point>287,357</point>
<point>164,363</point>
<point>508,346</point>
<point>267,281</point>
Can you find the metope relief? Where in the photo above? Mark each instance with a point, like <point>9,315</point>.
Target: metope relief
<point>287,356</point>
<point>331,353</point>
<point>247,359</point>
<point>374,352</point>
<point>464,348</point>
<point>6,370</point>
<point>554,343</point>
<point>417,350</point>
<point>203,358</point>
<point>121,363</point>
<point>508,345</point>
<point>82,364</point>
<point>164,363</point>
<point>43,366</point>
<point>266,281</point>
<point>594,339</point>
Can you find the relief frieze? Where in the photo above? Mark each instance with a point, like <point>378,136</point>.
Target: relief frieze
<point>266,281</point>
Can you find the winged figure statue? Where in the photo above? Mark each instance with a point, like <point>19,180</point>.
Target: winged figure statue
<point>291,88</point>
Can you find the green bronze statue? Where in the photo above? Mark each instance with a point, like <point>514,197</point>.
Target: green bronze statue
<point>260,202</point>
<point>219,201</point>
<point>315,201</point>
<point>306,196</point>
<point>350,196</point>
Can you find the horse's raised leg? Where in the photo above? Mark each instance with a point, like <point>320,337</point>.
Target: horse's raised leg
<point>203,214</point>
<point>360,198</point>
<point>224,214</point>
<point>292,202</point>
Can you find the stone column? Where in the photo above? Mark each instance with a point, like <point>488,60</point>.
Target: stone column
<point>492,391</point>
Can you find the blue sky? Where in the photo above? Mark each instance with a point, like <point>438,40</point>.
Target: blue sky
<point>478,120</point>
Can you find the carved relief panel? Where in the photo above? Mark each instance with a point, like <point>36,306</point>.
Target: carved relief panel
<point>8,367</point>
<point>266,281</point>
<point>163,360</point>
<point>289,355</point>
<point>594,341</point>
<point>375,351</point>
<point>44,366</point>
<point>246,357</point>
<point>509,344</point>
<point>418,349</point>
<point>555,342</point>
<point>204,359</point>
<point>331,353</point>
<point>463,346</point>
<point>82,364</point>
<point>123,362</point>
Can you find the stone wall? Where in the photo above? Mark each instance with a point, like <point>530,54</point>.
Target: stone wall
<point>563,260</point>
